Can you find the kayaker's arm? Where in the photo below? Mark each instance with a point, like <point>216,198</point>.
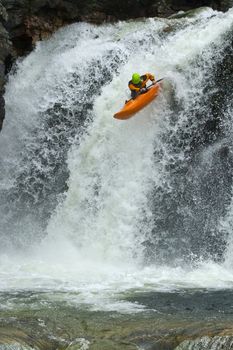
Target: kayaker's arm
<point>146,77</point>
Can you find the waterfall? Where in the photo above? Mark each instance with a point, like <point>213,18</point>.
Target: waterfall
<point>135,199</point>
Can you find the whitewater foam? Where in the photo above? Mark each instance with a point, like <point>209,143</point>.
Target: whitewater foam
<point>97,239</point>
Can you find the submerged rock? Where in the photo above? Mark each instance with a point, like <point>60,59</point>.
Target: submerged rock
<point>13,337</point>
<point>15,346</point>
<point>207,343</point>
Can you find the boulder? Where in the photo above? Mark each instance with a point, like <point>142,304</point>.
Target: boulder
<point>208,343</point>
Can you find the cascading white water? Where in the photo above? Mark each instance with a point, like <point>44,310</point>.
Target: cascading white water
<point>118,225</point>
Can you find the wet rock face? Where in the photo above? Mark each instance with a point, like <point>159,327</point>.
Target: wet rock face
<point>5,54</point>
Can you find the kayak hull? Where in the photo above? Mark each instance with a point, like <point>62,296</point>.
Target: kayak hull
<point>133,106</point>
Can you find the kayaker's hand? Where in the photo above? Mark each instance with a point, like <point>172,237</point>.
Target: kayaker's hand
<point>153,82</point>
<point>143,90</point>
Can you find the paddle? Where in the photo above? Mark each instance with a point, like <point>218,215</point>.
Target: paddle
<point>157,81</point>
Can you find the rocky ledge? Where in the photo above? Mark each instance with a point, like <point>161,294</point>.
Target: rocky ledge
<point>23,22</point>
<point>187,320</point>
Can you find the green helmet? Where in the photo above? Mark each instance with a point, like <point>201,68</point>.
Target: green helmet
<point>136,78</point>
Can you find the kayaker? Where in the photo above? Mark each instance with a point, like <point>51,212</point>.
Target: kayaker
<point>137,84</point>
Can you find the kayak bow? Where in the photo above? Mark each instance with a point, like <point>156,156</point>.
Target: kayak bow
<point>133,106</point>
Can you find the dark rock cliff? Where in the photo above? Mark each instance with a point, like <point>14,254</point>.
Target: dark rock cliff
<point>23,22</point>
<point>6,52</point>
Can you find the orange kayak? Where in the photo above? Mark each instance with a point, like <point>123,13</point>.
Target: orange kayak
<point>133,106</point>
